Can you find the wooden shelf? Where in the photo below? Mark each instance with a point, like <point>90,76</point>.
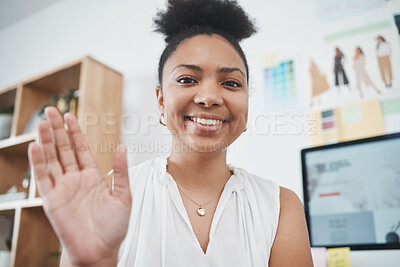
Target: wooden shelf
<point>23,203</point>
<point>100,94</point>
<point>17,140</point>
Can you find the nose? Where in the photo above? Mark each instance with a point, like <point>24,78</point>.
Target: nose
<point>208,95</point>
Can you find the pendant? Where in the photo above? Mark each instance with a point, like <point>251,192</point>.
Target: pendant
<point>201,211</point>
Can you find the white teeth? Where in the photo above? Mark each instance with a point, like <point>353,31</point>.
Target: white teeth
<point>206,121</point>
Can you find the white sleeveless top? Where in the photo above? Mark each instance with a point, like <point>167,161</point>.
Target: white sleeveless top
<point>160,234</point>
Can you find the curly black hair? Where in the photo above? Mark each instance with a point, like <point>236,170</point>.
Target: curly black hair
<point>184,19</point>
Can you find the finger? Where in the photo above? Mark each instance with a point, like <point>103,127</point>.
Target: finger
<point>63,144</point>
<point>38,165</point>
<point>121,179</point>
<point>84,157</point>
<point>49,149</point>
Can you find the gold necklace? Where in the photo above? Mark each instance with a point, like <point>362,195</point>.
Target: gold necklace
<point>201,210</point>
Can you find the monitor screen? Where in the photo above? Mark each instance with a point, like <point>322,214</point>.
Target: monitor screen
<point>352,193</point>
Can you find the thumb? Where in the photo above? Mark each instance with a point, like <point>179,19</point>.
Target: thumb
<point>121,179</point>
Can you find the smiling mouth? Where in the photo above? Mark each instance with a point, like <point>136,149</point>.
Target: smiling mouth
<point>206,122</point>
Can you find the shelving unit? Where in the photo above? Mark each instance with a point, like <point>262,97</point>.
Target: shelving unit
<point>98,111</point>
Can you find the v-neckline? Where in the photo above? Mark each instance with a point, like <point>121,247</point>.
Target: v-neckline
<point>178,202</point>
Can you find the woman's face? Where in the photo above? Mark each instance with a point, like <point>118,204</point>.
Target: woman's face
<point>204,95</point>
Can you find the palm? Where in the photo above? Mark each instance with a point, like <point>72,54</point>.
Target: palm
<point>89,219</point>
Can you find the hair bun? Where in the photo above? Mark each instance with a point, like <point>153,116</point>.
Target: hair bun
<point>224,16</point>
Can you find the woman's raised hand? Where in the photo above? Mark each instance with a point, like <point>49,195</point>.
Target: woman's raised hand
<point>89,219</point>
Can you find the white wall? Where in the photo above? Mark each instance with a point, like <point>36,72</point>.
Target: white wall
<point>119,34</point>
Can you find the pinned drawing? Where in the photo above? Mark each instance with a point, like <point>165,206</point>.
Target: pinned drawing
<point>319,82</point>
<point>338,69</point>
<point>361,74</point>
<point>383,52</point>
<point>397,22</point>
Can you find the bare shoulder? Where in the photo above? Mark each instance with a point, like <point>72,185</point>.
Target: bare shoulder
<point>289,200</point>
<point>291,245</point>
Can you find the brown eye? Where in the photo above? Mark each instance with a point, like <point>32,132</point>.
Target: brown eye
<point>186,80</point>
<point>232,84</point>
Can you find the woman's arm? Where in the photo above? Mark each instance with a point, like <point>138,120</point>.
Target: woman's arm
<point>291,246</point>
<point>111,261</point>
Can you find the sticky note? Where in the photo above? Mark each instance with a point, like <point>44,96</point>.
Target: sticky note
<point>352,114</point>
<point>391,106</point>
<point>270,60</point>
<point>360,120</point>
<point>339,257</point>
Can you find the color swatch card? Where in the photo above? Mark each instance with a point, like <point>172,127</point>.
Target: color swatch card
<point>280,86</point>
<point>326,127</point>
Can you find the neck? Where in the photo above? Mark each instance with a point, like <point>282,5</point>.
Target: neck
<point>199,172</point>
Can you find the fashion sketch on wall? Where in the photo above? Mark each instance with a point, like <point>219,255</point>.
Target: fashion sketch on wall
<point>338,69</point>
<point>319,83</point>
<point>383,53</point>
<point>397,22</point>
<point>361,74</point>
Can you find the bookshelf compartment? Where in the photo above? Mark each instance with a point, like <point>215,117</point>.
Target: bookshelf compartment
<point>59,81</point>
<point>39,92</point>
<point>36,234</point>
<point>14,164</point>
<point>6,229</point>
<point>7,104</point>
<point>6,233</point>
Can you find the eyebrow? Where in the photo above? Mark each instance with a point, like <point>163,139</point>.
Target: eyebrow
<point>197,68</point>
<point>230,70</point>
<point>188,66</point>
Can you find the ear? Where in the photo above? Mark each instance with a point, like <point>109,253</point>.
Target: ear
<point>160,99</point>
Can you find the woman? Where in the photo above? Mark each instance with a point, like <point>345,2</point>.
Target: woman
<point>338,69</point>
<point>383,53</point>
<point>190,209</point>
<point>361,73</point>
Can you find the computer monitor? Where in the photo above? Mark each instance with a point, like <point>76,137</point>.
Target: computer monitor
<point>352,193</point>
